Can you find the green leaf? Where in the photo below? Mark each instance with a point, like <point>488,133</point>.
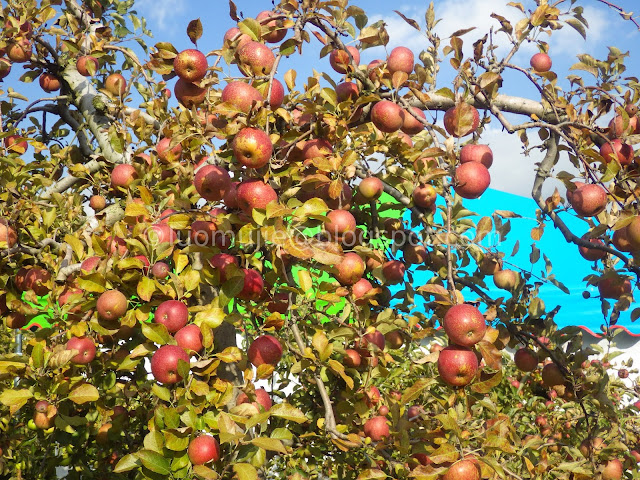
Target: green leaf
<point>84,393</point>
<point>154,461</point>
<point>245,471</point>
<point>288,412</point>
<point>156,332</point>
<point>212,317</point>
<point>175,442</point>
<point>145,288</point>
<point>269,444</point>
<point>205,472</point>
<point>179,221</point>
<point>483,228</point>
<point>194,30</point>
<point>14,399</point>
<point>92,283</point>
<point>75,244</point>
<point>445,453</point>
<point>161,392</point>
<point>578,26</point>
<point>127,463</point>
<point>371,474</point>
<point>487,385</point>
<point>251,27</point>
<point>414,390</point>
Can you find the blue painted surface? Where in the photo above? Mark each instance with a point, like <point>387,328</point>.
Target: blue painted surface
<point>568,266</point>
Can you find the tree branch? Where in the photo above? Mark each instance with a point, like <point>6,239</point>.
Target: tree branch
<point>544,170</point>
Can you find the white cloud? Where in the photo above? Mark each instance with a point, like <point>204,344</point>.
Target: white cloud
<point>162,13</point>
<point>512,171</point>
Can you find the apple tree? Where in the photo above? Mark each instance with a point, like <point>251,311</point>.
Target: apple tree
<point>250,282</point>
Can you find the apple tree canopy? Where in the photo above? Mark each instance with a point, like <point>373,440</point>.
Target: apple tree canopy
<point>227,253</point>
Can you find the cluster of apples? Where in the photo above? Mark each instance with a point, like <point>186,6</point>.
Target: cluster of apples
<point>591,199</point>
<point>465,326</point>
<point>559,389</point>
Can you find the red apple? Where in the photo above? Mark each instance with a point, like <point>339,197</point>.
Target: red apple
<point>472,180</point>
<point>164,363</point>
<point>376,428</point>
<point>111,305</point>
<point>265,349</point>
<point>203,449</point>
<point>339,222</point>
<point>189,94</point>
<point>36,279</point>
<point>360,289</point>
<point>615,150</point>
<point>540,62</point>
<point>159,233</point>
<point>189,338</point>
<point>461,120</point>
<point>89,264</point>
<point>97,202</point>
<point>234,35</point>
<point>617,127</point>
<point>20,51</point>
<point>255,59</point>
<point>253,285</point>
<point>457,365</point>
<point>166,153</point>
<point>347,91</point>
<point>190,65</point>
<point>463,470</point>
<point>591,253</point>
<point>277,92</point>
<point>588,200</point>
<point>115,84</point>
<point>220,261</point>
<point>526,360</point>
<point>276,31</point>
<point>477,153</point>
<point>212,182</point>
<point>393,272</point>
<point>254,193</point>
<point>262,399</point>
<point>252,147</point>
<point>614,287</point>
<point>371,188</point>
<point>85,347</point>
<point>387,116</point>
<point>410,124</point>
<point>5,68</point>
<point>49,82</point>
<point>552,375</point>
<point>241,95</point>
<point>160,270</point>
<point>464,325</point>
<point>123,175</point>
<point>13,144</point>
<point>613,470</point>
<point>173,314</point>
<point>8,235</point>
<point>424,196</point>
<point>350,269</point>
<point>87,65</point>
<point>400,60</point>
<point>352,358</point>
